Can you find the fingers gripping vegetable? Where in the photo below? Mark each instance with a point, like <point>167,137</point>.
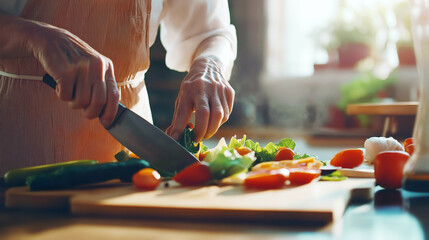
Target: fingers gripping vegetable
<point>388,168</point>
<point>17,177</point>
<point>147,179</point>
<point>349,158</point>
<point>205,91</point>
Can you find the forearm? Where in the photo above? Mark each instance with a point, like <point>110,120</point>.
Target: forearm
<point>15,34</point>
<point>219,49</point>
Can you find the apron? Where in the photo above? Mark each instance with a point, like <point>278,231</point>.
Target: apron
<point>38,128</point>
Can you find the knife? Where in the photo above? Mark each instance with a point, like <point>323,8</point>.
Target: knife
<point>144,139</point>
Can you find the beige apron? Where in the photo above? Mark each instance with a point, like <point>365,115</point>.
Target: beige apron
<point>38,128</point>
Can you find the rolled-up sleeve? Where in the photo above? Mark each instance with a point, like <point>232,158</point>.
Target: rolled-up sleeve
<point>187,23</point>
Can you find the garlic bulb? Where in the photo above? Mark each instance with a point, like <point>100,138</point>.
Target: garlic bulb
<point>375,145</point>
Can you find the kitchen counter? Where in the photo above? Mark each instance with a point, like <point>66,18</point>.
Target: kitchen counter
<point>390,215</point>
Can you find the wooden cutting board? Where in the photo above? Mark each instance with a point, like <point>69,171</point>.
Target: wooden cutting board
<point>317,202</point>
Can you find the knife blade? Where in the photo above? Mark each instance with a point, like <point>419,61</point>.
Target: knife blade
<point>145,139</point>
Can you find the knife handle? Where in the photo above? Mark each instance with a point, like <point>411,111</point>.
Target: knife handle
<point>48,80</point>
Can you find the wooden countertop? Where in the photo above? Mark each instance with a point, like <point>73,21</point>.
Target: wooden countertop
<point>384,218</point>
<point>390,215</point>
<point>388,109</point>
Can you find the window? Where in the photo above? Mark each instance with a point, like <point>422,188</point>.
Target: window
<point>314,48</point>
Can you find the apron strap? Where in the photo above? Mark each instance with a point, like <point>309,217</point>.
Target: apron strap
<point>16,76</point>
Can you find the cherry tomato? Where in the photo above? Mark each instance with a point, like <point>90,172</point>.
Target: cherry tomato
<point>243,150</point>
<point>408,141</point>
<point>266,179</point>
<point>388,167</point>
<point>284,153</point>
<point>300,176</point>
<point>349,158</point>
<point>410,148</point>
<point>147,179</point>
<point>202,155</point>
<point>195,174</point>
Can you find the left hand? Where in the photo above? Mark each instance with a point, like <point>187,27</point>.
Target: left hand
<point>205,91</point>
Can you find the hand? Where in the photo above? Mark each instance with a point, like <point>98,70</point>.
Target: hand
<point>84,77</point>
<point>205,91</point>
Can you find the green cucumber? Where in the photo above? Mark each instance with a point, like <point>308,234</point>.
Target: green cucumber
<point>71,176</point>
<point>17,177</point>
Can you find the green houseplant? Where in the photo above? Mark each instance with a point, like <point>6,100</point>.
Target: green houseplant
<point>350,35</point>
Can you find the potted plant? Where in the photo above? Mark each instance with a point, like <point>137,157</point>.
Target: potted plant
<point>365,87</point>
<point>350,35</point>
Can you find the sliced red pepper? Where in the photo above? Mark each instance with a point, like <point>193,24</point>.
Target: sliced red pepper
<point>194,175</point>
<point>266,179</point>
<point>300,176</point>
<point>349,158</point>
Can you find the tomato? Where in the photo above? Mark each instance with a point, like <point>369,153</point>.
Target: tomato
<point>202,155</point>
<point>266,179</point>
<point>284,153</point>
<point>410,148</point>
<point>243,150</point>
<point>349,158</point>
<point>195,174</point>
<point>147,179</point>
<point>408,141</point>
<point>388,167</point>
<point>300,176</point>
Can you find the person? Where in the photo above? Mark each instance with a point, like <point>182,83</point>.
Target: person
<point>98,53</point>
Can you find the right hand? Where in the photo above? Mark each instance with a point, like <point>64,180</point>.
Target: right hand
<point>84,77</point>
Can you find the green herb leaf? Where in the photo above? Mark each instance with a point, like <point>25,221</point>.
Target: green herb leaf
<point>187,141</point>
<point>123,156</point>
<point>335,176</point>
<point>286,142</point>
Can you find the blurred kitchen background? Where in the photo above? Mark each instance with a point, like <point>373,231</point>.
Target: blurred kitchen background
<point>300,63</point>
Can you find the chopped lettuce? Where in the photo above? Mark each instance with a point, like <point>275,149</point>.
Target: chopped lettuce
<point>228,163</point>
<point>225,161</point>
<point>263,154</point>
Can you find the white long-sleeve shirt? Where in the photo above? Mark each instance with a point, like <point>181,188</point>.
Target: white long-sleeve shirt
<point>184,25</point>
